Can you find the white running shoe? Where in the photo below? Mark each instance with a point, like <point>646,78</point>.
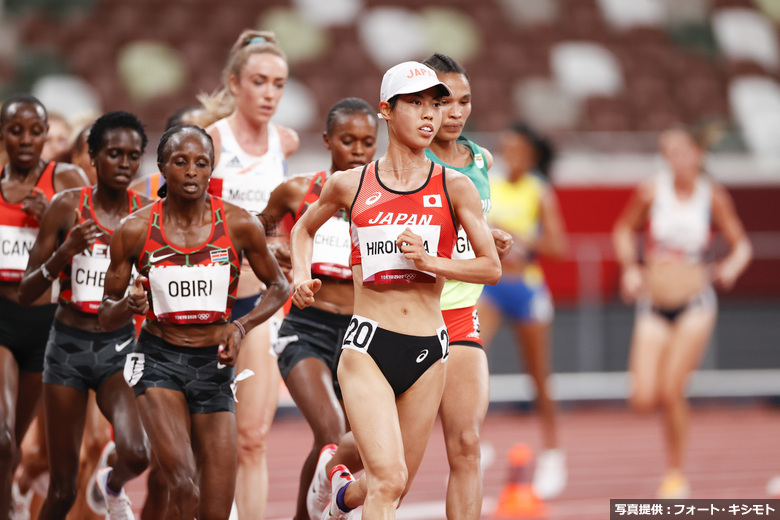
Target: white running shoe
<point>95,499</point>
<point>550,475</point>
<point>319,489</point>
<point>339,477</point>
<point>20,503</point>
<point>773,487</point>
<point>118,507</point>
<point>40,484</point>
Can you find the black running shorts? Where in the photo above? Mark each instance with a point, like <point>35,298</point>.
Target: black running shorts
<point>24,331</point>
<point>311,332</point>
<point>401,358</point>
<point>193,371</point>
<point>83,360</point>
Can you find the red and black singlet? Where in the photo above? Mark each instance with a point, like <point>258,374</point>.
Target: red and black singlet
<point>18,229</point>
<point>380,214</point>
<point>82,279</point>
<point>190,286</point>
<point>331,246</point>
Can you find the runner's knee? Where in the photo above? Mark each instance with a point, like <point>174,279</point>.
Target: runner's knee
<point>463,448</point>
<point>252,440</point>
<point>134,457</point>
<point>389,482</point>
<point>9,451</point>
<point>643,402</point>
<point>182,488</point>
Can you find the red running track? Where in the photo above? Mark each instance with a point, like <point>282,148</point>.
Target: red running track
<point>612,453</point>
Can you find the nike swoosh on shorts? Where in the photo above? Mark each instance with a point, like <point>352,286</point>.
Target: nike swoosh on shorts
<point>120,346</point>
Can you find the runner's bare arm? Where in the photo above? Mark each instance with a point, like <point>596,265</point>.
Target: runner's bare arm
<point>337,193</point>
<point>486,267</point>
<point>59,218</point>
<point>740,254</point>
<point>247,235</point>
<point>116,309</point>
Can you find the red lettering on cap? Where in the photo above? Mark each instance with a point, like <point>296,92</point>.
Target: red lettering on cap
<point>419,72</point>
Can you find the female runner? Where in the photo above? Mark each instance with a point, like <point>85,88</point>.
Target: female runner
<point>526,206</point>
<point>26,186</point>
<point>466,392</point>
<point>676,305</point>
<point>310,339</point>
<point>251,154</point>
<point>73,245</point>
<point>404,212</point>
<point>187,248</point>
<point>191,115</point>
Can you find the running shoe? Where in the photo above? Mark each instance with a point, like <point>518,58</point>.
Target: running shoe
<point>20,503</point>
<point>339,477</point>
<point>40,484</point>
<point>550,475</point>
<point>319,489</point>
<point>118,507</point>
<point>674,486</point>
<point>95,499</point>
<point>773,487</point>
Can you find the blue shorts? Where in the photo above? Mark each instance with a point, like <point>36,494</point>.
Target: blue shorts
<point>520,301</point>
<point>243,306</point>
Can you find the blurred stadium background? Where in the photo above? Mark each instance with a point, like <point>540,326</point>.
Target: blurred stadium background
<point>600,77</point>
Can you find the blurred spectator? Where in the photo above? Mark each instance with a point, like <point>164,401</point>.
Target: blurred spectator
<point>57,147</point>
<point>676,304</point>
<point>525,205</point>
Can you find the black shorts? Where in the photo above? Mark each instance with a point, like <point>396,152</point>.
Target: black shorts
<point>24,331</point>
<point>403,359</point>
<point>83,360</point>
<point>311,332</point>
<point>707,299</point>
<point>193,371</point>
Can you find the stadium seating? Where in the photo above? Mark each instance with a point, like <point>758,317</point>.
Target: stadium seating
<point>612,65</point>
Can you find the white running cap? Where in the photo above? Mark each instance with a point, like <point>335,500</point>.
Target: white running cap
<point>410,77</point>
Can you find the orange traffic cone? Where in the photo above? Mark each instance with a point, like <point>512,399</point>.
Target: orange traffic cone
<point>517,499</point>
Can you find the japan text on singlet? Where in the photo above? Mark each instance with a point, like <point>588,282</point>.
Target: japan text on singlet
<point>379,215</point>
<point>457,294</point>
<point>190,286</point>
<point>82,279</point>
<point>680,228</point>
<point>331,247</point>
<point>243,179</point>
<point>18,229</point>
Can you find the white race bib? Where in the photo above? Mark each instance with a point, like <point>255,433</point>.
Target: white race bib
<point>196,294</point>
<point>462,249</point>
<point>247,192</point>
<point>87,277</point>
<point>383,261</point>
<point>331,249</point>
<point>15,246</point>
